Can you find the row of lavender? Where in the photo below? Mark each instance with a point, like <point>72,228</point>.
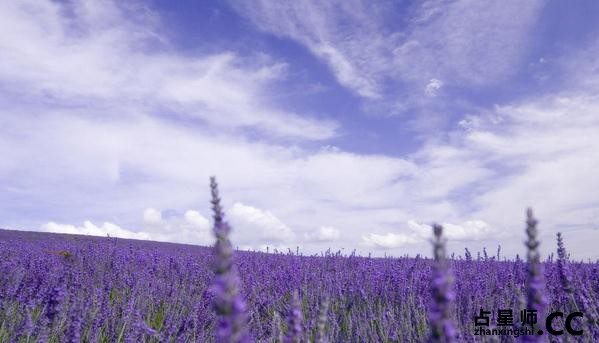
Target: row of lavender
<point>63,288</point>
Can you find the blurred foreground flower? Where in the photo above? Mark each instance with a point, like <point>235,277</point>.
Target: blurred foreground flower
<point>228,303</point>
<point>442,329</point>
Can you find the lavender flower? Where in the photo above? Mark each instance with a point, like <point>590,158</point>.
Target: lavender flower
<point>55,299</point>
<point>565,275</point>
<point>468,255</point>
<point>73,333</point>
<point>294,320</point>
<point>591,311</point>
<point>563,267</point>
<point>228,303</point>
<point>139,328</point>
<point>322,321</point>
<point>26,326</point>
<point>534,282</point>
<point>442,329</point>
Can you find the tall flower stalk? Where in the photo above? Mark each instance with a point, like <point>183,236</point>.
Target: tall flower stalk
<point>294,320</point>
<point>563,267</point>
<point>228,303</point>
<point>322,321</point>
<point>442,329</point>
<point>535,299</point>
<point>277,329</point>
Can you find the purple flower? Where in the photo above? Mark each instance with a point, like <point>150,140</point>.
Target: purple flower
<point>442,329</point>
<point>294,320</point>
<point>26,326</point>
<point>73,333</point>
<point>535,299</point>
<point>322,321</point>
<point>228,304</point>
<point>468,255</point>
<point>563,267</point>
<point>55,299</point>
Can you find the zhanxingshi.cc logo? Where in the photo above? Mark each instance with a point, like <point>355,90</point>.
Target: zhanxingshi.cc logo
<point>556,323</point>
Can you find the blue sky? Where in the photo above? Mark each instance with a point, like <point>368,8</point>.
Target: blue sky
<point>350,124</point>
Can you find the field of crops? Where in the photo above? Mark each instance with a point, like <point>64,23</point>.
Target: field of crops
<point>66,288</point>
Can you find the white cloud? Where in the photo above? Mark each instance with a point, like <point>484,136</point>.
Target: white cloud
<point>547,148</point>
<point>196,219</point>
<point>253,221</point>
<point>90,229</point>
<point>492,172</point>
<point>355,55</point>
<point>433,87</point>
<point>99,54</point>
<point>467,42</point>
<point>323,234</point>
<point>192,228</point>
<point>152,216</point>
<point>471,43</point>
<point>471,230</point>
<point>388,240</point>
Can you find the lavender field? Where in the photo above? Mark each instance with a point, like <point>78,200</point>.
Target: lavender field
<point>69,288</point>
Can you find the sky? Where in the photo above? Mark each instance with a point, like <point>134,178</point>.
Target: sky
<point>349,125</point>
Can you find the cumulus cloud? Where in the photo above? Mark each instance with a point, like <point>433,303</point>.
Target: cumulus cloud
<point>550,169</point>
<point>254,221</point>
<point>471,230</point>
<point>491,171</point>
<point>88,228</point>
<point>191,228</point>
<point>152,216</point>
<point>195,219</point>
<point>323,234</point>
<point>388,240</point>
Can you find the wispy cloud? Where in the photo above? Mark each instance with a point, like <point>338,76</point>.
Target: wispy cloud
<point>82,53</point>
<point>334,32</point>
<point>467,43</point>
<point>345,34</point>
<point>461,43</point>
